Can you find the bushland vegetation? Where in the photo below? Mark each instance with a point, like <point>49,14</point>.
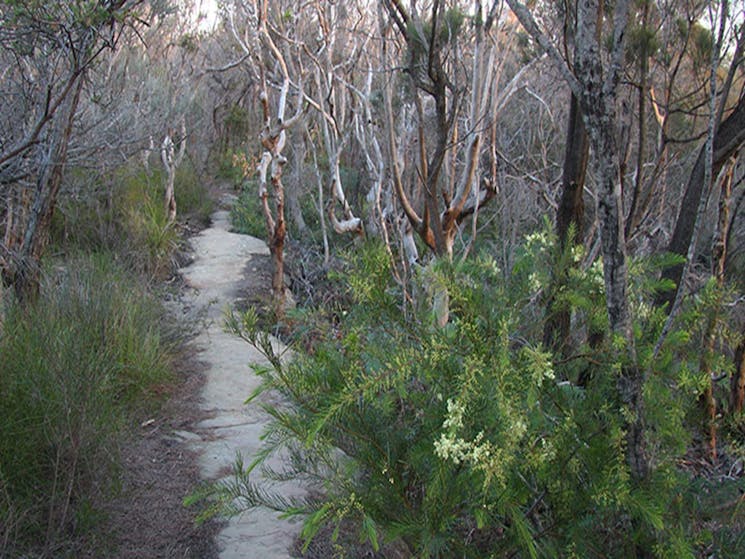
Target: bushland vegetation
<point>87,345</point>
<point>474,439</point>
<point>515,231</point>
<point>536,349</point>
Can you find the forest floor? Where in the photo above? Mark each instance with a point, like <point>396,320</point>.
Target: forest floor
<point>147,519</point>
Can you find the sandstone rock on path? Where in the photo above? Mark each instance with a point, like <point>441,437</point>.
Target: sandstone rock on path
<point>215,276</point>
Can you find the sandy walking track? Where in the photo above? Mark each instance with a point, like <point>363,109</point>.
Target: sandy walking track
<point>215,274</point>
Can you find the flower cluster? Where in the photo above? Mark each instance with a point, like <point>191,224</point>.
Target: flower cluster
<point>480,454</point>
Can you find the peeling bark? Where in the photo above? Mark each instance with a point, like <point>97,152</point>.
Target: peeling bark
<point>273,138</point>
<point>445,195</point>
<point>172,159</point>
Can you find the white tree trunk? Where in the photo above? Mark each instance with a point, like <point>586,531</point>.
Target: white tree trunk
<point>167,156</point>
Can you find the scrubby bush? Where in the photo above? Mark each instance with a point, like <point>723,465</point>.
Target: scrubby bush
<point>73,367</point>
<point>229,166</point>
<point>124,213</point>
<point>246,215</point>
<point>192,196</point>
<point>155,239</point>
<point>472,440</point>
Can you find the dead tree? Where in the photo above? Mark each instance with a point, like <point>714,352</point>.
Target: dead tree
<point>171,161</point>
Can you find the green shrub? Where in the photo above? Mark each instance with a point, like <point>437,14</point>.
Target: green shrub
<point>155,239</point>
<point>246,215</point>
<point>192,197</point>
<point>72,367</point>
<point>472,440</point>
<point>229,169</point>
<point>124,213</point>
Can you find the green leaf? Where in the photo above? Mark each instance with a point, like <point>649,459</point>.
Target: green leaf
<point>313,523</point>
<point>370,532</point>
<point>480,515</point>
<point>522,532</point>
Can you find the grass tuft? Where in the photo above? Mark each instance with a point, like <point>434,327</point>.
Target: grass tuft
<point>73,368</point>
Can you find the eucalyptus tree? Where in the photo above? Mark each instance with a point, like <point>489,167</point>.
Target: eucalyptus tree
<point>600,60</point>
<point>594,80</point>
<point>571,208</point>
<point>301,54</point>
<point>47,50</point>
<point>718,156</point>
<point>268,63</point>
<point>448,94</point>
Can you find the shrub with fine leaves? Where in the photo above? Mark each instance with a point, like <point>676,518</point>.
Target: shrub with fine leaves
<point>472,440</point>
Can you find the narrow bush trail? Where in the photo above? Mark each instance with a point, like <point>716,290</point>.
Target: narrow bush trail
<point>216,275</point>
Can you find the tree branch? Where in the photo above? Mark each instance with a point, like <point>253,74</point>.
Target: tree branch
<point>529,24</point>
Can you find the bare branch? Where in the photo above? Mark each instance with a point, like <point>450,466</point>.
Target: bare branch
<point>529,24</point>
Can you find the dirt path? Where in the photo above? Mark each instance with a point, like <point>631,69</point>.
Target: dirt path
<point>216,276</point>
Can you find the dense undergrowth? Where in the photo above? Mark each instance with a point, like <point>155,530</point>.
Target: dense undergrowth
<point>246,216</point>
<point>82,362</point>
<point>123,213</point>
<point>472,440</point>
<point>74,366</point>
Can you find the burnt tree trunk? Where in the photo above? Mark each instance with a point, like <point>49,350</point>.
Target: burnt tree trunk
<point>738,379</point>
<point>569,217</point>
<point>729,136</point>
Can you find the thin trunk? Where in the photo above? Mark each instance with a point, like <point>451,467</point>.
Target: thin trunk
<point>708,399</point>
<point>321,209</point>
<point>273,137</point>
<point>293,201</point>
<point>145,155</point>
<point>168,157</point>
<point>631,381</point>
<point>719,257</point>
<point>634,213</point>
<point>738,379</point>
<point>26,276</point>
<point>569,216</point>
<point>277,241</point>
<point>434,168</point>
<point>170,196</point>
<point>572,208</point>
<point>598,104</point>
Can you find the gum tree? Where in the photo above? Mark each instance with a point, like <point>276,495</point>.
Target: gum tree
<point>47,49</point>
<point>451,69</point>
